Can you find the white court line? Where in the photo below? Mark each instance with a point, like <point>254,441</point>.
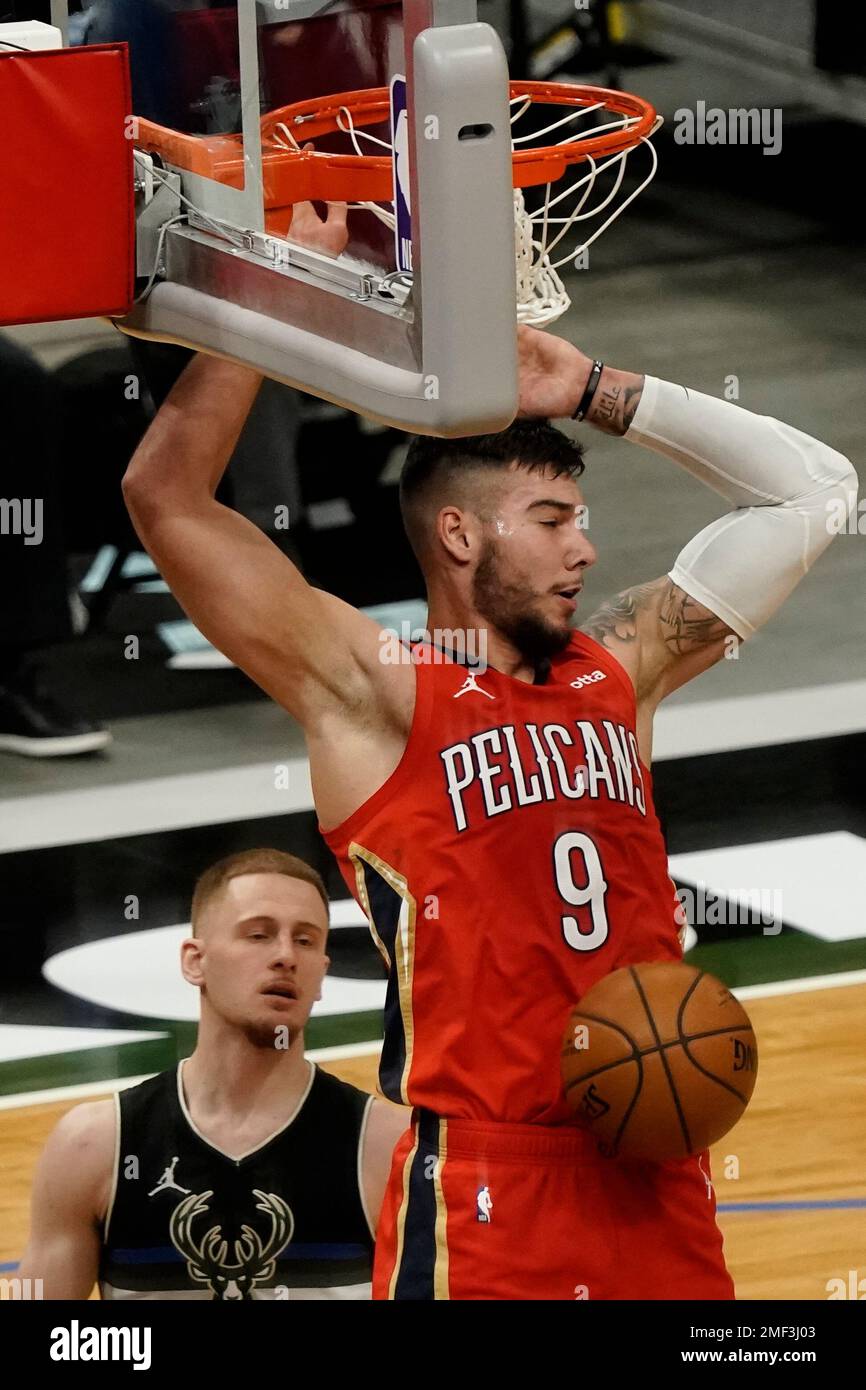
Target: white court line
<point>370,1049</point>
<point>248,791</point>
<point>755,721</point>
<point>809,982</point>
<point>80,1092</point>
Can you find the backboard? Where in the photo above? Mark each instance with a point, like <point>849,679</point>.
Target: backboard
<point>236,123</point>
<point>431,350</point>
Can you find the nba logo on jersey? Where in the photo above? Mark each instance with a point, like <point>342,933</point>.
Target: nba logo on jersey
<point>484,1204</point>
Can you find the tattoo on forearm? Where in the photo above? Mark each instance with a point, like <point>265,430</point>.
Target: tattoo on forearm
<point>615,404</point>
<point>606,405</point>
<point>631,402</point>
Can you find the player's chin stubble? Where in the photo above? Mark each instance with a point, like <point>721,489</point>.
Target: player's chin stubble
<point>264,1035</point>
<point>505,607</point>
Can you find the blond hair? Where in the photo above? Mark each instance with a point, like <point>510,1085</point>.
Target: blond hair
<point>251,861</point>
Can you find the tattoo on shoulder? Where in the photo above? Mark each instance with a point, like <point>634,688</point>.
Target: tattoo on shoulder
<point>618,616</point>
<point>686,626</point>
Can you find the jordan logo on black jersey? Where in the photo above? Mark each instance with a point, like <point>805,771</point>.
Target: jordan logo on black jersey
<point>167,1182</point>
<point>255,1260</point>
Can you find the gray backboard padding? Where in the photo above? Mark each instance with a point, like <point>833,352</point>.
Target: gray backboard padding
<point>391,395</point>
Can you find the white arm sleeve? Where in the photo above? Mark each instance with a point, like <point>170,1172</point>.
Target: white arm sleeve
<point>789,491</point>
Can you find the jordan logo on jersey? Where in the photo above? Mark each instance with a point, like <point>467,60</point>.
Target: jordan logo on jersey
<point>484,1204</point>
<point>255,1260</point>
<point>471,687</point>
<point>167,1182</point>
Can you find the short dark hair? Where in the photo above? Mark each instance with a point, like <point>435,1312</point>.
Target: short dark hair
<point>432,463</point>
<point>251,861</point>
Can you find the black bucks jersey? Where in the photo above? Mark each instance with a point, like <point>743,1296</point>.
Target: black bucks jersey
<point>287,1220</point>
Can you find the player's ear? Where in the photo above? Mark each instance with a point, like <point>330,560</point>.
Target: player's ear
<point>191,960</point>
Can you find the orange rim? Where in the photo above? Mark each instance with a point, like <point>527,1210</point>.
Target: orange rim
<point>369,178</point>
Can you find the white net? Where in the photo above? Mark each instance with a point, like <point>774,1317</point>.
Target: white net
<point>541,295</point>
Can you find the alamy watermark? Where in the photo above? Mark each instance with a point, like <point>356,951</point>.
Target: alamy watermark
<point>737,126</point>
<point>738,907</point>
<point>21,1290</point>
<point>845,515</point>
<point>22,516</point>
<point>417,646</point>
<point>853,1286</point>
<point>77,1343</point>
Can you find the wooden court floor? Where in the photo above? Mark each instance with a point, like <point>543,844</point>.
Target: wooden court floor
<point>799,1150</point>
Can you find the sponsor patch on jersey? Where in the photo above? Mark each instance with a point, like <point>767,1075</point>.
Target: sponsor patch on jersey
<point>588,679</point>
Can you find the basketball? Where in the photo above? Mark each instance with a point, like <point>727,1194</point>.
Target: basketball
<point>658,1061</point>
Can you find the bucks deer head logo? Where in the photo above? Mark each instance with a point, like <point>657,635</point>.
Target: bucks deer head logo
<point>254,1258</point>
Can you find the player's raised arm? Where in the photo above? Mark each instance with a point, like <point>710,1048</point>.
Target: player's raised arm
<point>784,486</point>
<point>71,1192</point>
<point>307,649</point>
<point>249,600</point>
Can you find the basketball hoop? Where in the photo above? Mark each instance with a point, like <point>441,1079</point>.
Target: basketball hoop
<point>617,123</point>
<point>417,334</point>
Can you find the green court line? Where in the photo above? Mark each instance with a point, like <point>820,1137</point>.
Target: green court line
<point>792,955</point>
<point>139,1058</point>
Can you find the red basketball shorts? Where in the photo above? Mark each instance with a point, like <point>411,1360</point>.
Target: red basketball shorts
<point>501,1211</point>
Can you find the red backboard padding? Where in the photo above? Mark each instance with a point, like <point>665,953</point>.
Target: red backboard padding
<point>67,213</point>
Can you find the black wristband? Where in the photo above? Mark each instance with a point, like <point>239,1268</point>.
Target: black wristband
<point>591,387</point>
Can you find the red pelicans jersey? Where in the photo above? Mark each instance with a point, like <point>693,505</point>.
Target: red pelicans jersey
<point>510,861</point>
